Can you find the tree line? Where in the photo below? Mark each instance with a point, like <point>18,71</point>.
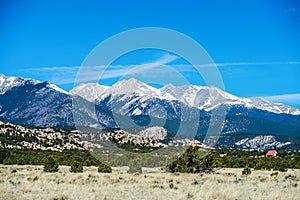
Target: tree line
<point>192,160</point>
<point>195,160</point>
<point>51,159</point>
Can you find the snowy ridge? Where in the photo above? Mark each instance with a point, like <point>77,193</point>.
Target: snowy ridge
<point>58,89</point>
<point>131,104</point>
<point>204,98</point>
<point>40,104</point>
<point>89,91</point>
<point>130,87</point>
<point>8,82</point>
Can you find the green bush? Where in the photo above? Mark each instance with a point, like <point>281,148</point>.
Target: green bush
<point>281,166</point>
<point>8,161</point>
<point>50,164</point>
<point>274,174</point>
<point>87,162</point>
<point>102,168</point>
<point>76,167</point>
<point>193,161</point>
<point>37,157</point>
<point>21,161</point>
<point>246,170</point>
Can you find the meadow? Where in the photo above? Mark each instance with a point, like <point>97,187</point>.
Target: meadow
<point>31,182</point>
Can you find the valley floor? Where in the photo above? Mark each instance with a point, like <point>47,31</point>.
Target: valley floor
<point>30,182</point>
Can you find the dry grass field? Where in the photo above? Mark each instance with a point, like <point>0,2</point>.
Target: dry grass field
<point>30,182</point>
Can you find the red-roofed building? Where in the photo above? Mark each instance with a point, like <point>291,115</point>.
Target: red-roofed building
<point>271,153</point>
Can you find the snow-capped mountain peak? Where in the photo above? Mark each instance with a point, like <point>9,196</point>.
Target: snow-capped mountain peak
<point>8,82</point>
<point>202,97</point>
<point>138,104</point>
<point>205,98</point>
<point>55,87</point>
<point>273,107</point>
<point>131,86</point>
<point>89,91</point>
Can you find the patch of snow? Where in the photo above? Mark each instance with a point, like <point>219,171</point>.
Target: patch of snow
<point>8,82</point>
<point>58,89</point>
<point>137,111</point>
<point>89,91</point>
<point>242,141</point>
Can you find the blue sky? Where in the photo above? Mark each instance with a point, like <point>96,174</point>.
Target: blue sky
<point>255,44</point>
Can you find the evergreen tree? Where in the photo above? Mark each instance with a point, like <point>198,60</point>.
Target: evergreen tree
<point>76,167</point>
<point>102,168</point>
<point>191,161</point>
<point>8,161</point>
<point>21,161</point>
<point>50,164</point>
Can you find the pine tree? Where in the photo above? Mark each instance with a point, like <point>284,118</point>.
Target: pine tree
<point>76,167</point>
<point>21,161</point>
<point>8,161</point>
<point>50,164</point>
<point>102,168</point>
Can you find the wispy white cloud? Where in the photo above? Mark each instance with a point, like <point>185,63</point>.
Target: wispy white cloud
<point>67,74</point>
<point>165,59</point>
<point>227,64</point>
<point>118,71</point>
<point>292,99</point>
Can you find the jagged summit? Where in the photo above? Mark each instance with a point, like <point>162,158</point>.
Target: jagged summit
<point>89,91</point>
<point>131,86</point>
<point>202,97</point>
<point>8,82</point>
<point>133,103</point>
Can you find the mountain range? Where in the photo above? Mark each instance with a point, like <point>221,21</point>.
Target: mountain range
<point>133,104</point>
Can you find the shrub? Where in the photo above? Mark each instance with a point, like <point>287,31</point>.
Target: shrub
<point>274,174</point>
<point>246,170</point>
<point>292,177</point>
<point>35,178</point>
<point>50,164</point>
<point>195,182</point>
<point>102,168</point>
<point>191,161</point>
<point>281,166</point>
<point>8,161</point>
<point>21,161</point>
<point>76,167</point>
<point>87,162</point>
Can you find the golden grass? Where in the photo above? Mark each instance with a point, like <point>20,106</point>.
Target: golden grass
<point>30,182</point>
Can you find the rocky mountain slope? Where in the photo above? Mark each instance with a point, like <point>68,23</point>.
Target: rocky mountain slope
<point>188,104</point>
<point>133,104</point>
<point>58,139</point>
<point>203,98</point>
<point>16,136</point>
<point>42,104</point>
